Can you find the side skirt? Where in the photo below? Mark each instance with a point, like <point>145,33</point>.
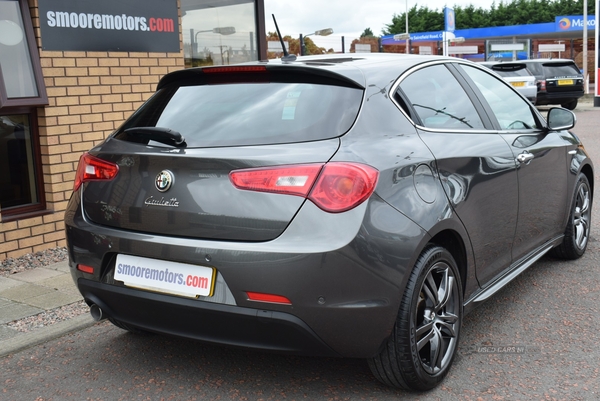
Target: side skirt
<point>518,268</point>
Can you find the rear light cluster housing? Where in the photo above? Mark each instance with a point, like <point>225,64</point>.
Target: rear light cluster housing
<point>334,187</point>
<point>91,168</point>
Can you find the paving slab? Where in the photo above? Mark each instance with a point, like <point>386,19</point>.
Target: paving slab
<point>54,299</point>
<point>6,333</point>
<point>6,283</point>
<point>35,275</point>
<point>16,311</point>
<point>60,266</point>
<point>61,282</point>
<point>23,292</point>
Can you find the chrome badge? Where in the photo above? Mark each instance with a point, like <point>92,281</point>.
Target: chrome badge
<point>164,180</point>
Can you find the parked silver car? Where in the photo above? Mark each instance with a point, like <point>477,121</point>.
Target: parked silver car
<point>518,76</point>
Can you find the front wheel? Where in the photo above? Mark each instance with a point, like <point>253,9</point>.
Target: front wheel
<point>577,232</point>
<point>420,351</point>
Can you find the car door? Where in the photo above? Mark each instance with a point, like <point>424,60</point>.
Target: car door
<point>542,163</point>
<point>475,164</point>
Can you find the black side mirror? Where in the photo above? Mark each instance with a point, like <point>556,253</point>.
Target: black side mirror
<point>560,119</point>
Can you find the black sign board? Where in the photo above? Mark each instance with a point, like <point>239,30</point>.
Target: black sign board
<point>110,25</point>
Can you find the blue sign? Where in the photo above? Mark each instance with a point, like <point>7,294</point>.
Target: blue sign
<point>573,23</point>
<point>449,19</point>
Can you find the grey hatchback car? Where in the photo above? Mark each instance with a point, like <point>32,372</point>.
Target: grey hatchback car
<point>353,206</point>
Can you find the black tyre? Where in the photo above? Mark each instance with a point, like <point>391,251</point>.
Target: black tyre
<point>577,232</point>
<point>420,351</point>
<point>570,105</point>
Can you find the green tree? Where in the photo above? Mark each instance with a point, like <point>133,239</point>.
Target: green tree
<point>367,33</point>
<point>514,12</point>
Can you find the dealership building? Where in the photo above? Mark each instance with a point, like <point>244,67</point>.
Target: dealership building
<point>71,71</point>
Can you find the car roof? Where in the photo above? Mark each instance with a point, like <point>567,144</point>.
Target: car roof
<point>359,70</point>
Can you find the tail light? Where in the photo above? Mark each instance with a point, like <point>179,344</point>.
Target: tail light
<point>334,187</point>
<point>92,168</point>
<point>542,85</point>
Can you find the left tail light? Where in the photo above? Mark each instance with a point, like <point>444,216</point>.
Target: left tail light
<point>334,187</point>
<point>92,168</point>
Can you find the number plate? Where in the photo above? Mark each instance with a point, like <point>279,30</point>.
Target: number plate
<point>166,277</point>
<point>518,84</point>
<point>565,82</point>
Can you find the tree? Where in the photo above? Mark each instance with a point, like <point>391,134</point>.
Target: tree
<point>367,33</point>
<point>514,12</point>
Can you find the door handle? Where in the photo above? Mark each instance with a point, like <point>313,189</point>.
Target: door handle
<point>525,158</point>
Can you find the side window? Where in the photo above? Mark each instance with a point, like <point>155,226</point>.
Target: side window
<point>511,111</point>
<point>439,100</point>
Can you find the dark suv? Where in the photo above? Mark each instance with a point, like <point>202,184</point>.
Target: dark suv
<point>559,81</point>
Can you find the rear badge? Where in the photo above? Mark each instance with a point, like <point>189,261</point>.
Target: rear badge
<point>164,180</point>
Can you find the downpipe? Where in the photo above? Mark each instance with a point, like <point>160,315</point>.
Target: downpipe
<point>97,313</point>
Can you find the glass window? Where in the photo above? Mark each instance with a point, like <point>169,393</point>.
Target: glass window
<point>18,184</point>
<point>215,34</point>
<point>249,114</point>
<point>511,111</point>
<point>439,100</point>
<point>21,80</point>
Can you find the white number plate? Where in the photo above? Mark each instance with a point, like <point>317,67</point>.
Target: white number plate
<point>167,277</point>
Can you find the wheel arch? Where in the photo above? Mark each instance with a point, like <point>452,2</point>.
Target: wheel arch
<point>452,241</point>
<point>589,173</point>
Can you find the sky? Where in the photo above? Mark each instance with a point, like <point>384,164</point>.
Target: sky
<point>348,18</point>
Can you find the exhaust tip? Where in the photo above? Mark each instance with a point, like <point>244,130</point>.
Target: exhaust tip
<point>97,313</point>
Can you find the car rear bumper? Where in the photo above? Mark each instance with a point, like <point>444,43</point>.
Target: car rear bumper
<point>204,321</point>
<point>343,274</point>
<point>558,97</point>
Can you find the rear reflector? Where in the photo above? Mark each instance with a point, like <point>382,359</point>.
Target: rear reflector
<point>85,269</point>
<point>94,169</point>
<point>334,187</point>
<point>276,299</point>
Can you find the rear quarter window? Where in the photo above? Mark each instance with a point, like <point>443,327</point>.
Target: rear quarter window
<point>249,113</point>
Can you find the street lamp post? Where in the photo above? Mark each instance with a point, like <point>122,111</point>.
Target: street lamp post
<point>225,30</point>
<point>320,32</point>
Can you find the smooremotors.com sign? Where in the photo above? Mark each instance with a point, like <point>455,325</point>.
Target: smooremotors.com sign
<point>110,25</point>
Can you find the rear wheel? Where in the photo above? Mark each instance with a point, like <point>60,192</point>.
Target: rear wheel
<point>420,351</point>
<point>577,232</point>
<point>570,105</point>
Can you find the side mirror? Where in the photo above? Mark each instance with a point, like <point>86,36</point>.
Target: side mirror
<point>560,119</point>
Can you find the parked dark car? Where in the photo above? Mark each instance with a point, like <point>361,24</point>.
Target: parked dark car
<point>353,206</point>
<point>559,81</point>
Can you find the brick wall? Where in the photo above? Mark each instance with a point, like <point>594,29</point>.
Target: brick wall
<point>90,94</point>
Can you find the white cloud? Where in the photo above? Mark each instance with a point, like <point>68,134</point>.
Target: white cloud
<point>348,18</point>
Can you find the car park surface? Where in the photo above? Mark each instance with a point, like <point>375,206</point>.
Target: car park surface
<point>365,235</point>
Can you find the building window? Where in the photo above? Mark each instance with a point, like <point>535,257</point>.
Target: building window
<point>21,82</point>
<point>21,89</point>
<point>20,184</point>
<point>219,32</point>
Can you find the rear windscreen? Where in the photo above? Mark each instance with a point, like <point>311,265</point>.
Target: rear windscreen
<point>249,114</point>
<point>561,70</point>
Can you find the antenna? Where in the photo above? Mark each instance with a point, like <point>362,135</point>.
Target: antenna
<point>286,55</point>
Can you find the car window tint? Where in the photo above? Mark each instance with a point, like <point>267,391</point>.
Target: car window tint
<point>249,113</point>
<point>439,100</point>
<point>565,69</point>
<point>511,110</point>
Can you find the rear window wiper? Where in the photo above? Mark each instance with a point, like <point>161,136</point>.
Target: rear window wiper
<point>158,134</point>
